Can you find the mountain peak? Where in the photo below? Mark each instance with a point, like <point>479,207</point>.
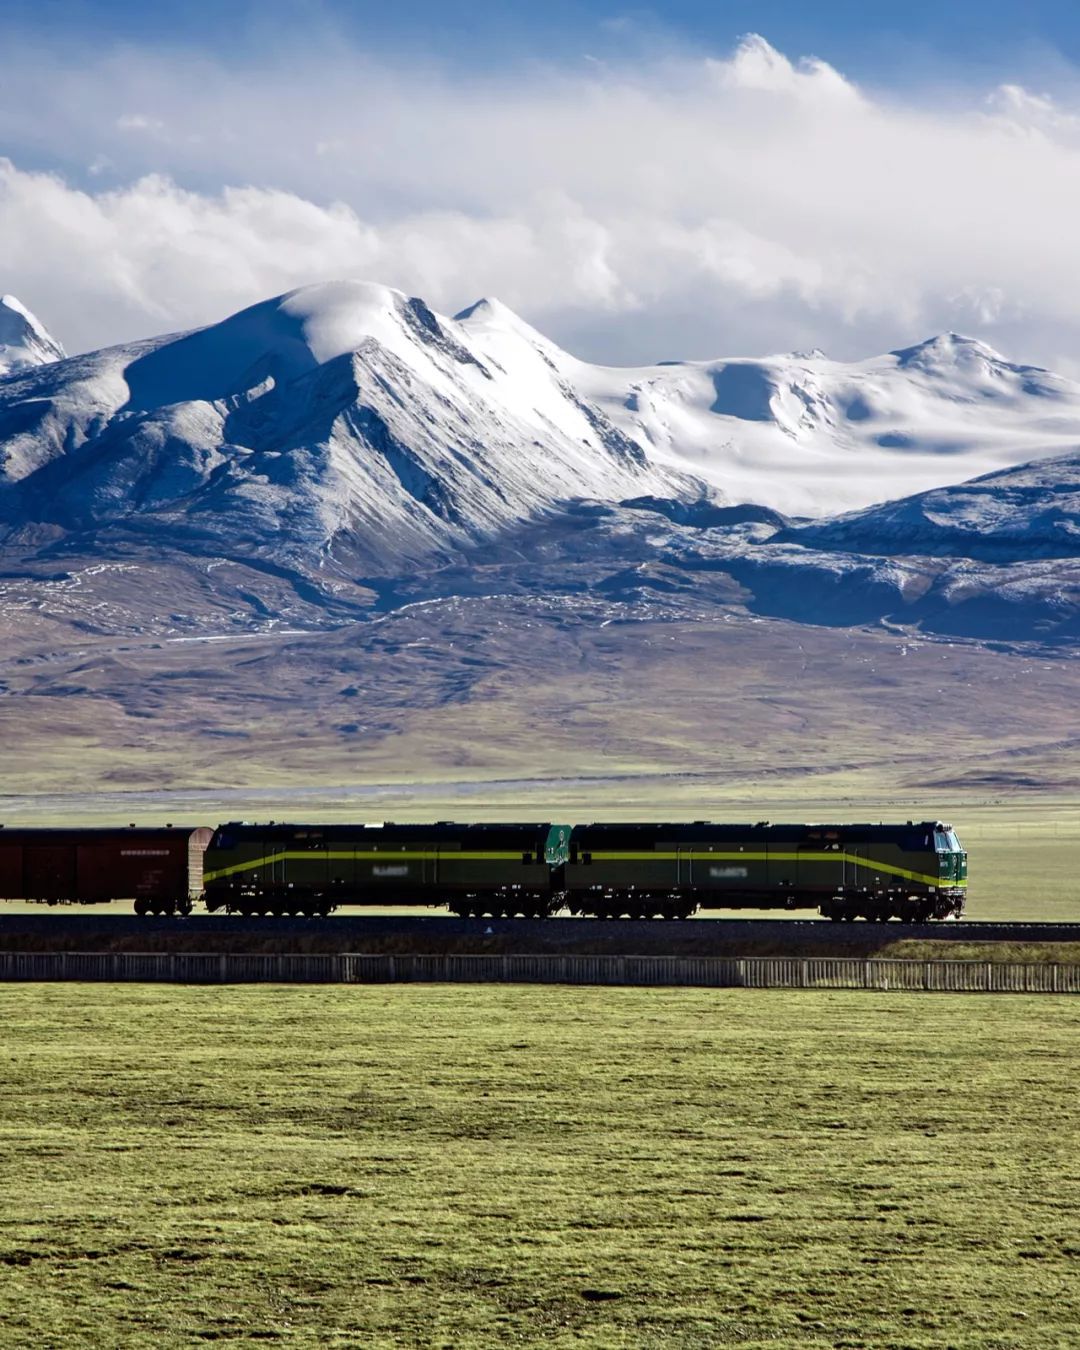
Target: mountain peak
<point>489,309</point>
<point>947,349</point>
<point>491,315</point>
<point>25,342</point>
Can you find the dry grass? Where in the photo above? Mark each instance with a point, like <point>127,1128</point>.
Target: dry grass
<point>473,694</point>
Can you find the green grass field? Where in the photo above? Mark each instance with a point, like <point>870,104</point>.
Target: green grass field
<point>455,1167</point>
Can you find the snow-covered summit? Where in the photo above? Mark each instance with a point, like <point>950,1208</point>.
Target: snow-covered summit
<point>25,342</point>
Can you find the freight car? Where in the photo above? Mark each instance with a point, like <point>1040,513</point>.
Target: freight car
<point>497,870</point>
<point>160,869</point>
<point>913,872</point>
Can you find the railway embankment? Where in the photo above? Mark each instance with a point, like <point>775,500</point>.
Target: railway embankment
<point>409,935</point>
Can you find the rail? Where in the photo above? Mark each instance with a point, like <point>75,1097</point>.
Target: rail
<point>643,971</point>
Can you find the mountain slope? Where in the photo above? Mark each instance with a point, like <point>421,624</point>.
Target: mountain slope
<point>1024,513</point>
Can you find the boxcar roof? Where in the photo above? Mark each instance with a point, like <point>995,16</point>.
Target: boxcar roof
<point>66,834</point>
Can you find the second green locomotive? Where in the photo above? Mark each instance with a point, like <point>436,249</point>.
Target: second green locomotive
<point>915,872</point>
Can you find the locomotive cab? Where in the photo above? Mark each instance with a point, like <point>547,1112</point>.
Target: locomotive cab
<point>952,858</point>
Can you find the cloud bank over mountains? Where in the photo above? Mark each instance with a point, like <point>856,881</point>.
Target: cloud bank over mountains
<point>679,207</point>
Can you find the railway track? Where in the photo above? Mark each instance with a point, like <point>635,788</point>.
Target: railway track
<point>388,933</point>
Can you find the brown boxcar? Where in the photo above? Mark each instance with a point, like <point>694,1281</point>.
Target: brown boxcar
<point>159,868</point>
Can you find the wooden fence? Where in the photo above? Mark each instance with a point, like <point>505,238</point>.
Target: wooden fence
<point>696,971</point>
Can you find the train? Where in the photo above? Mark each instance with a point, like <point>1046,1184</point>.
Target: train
<point>915,872</point>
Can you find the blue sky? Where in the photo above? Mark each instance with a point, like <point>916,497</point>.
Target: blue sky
<point>872,41</point>
<point>692,180</point>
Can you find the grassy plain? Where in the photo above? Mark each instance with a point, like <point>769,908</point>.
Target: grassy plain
<point>432,1166</point>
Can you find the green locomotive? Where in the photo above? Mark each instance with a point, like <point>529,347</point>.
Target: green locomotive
<point>278,869</point>
<point>914,872</point>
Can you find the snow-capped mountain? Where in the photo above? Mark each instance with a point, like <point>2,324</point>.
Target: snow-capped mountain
<point>347,419</point>
<point>345,416</point>
<point>24,340</point>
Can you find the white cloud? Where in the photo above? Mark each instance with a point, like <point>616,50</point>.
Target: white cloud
<point>138,122</point>
<point>687,207</point>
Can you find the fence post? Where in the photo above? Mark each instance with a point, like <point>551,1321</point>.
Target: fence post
<point>926,975</point>
<point>987,982</point>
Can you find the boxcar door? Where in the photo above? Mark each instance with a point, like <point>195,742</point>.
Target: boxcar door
<point>11,869</point>
<point>49,872</point>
